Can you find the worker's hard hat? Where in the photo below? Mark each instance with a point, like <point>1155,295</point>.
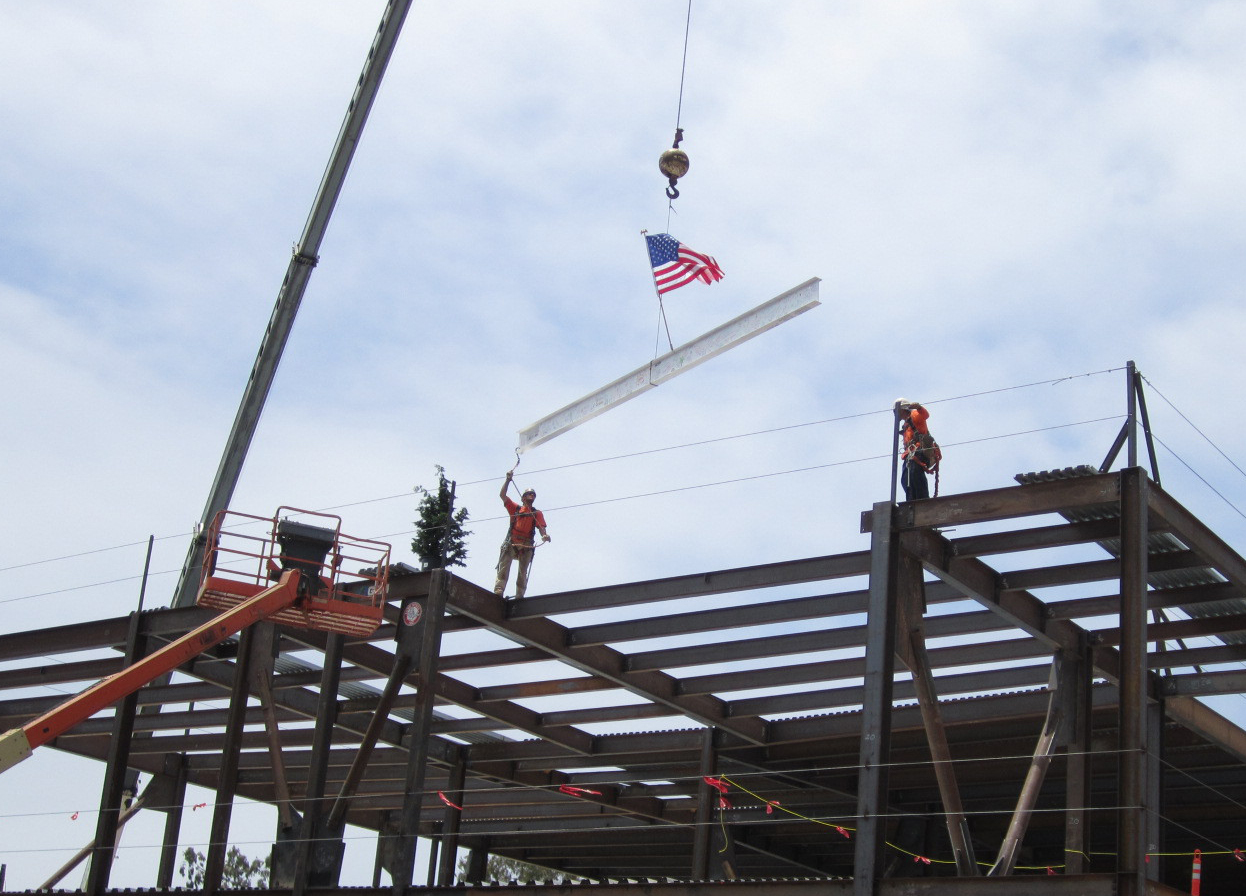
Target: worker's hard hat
<point>529,491</point>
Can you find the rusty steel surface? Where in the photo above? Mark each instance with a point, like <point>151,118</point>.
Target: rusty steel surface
<point>772,689</point>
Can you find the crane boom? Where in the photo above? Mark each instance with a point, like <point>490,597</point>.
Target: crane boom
<point>290,295</point>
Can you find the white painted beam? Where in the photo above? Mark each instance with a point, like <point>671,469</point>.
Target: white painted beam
<point>718,340</point>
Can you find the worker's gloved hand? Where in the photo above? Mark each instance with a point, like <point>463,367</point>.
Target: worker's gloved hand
<point>510,474</point>
<point>544,539</point>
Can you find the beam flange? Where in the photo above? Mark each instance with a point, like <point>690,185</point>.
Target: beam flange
<point>722,338</point>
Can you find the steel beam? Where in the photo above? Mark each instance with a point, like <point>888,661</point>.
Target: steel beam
<point>1006,862</point>
<point>606,662</point>
<point>970,622</point>
<point>1190,529</point>
<point>752,323</point>
<point>721,581</point>
<point>911,649</point>
<point>1006,503</point>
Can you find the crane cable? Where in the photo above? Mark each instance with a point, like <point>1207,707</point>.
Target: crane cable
<point>674,162</point>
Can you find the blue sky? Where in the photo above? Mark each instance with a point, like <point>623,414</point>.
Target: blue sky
<point>993,195</point>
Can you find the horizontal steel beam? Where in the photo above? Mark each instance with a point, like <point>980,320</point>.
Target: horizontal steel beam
<point>722,581</point>
<point>1005,503</point>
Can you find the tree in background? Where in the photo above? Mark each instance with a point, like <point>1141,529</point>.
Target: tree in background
<point>241,873</point>
<point>439,533</point>
<point>501,870</point>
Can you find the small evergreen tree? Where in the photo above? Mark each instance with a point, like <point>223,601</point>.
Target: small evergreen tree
<point>438,533</point>
<point>241,873</point>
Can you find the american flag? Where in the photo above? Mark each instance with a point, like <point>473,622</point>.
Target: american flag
<point>675,265</point>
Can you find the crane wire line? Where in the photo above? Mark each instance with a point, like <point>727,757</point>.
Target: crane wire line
<point>611,458</point>
<point>1193,427</point>
<point>679,111</point>
<point>517,787</point>
<point>763,800</point>
<point>633,497</point>
<point>1200,477</point>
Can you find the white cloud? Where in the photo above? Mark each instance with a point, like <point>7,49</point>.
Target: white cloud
<point>992,196</point>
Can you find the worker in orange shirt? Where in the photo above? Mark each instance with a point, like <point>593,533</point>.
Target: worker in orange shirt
<point>525,520</point>
<point>921,454</point>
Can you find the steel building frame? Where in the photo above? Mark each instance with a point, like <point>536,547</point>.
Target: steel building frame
<point>904,719</point>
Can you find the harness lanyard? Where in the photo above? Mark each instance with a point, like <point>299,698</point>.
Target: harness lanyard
<point>510,535</point>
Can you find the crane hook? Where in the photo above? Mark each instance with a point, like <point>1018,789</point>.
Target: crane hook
<point>674,164</point>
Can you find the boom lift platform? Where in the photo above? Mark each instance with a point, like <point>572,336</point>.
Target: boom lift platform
<point>291,574</point>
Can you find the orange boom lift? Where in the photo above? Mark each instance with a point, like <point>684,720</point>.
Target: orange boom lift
<point>290,574</point>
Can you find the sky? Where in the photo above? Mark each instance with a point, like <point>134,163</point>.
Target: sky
<point>1005,204</point>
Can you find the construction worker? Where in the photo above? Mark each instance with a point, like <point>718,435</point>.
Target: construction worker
<point>921,454</point>
<point>518,544</point>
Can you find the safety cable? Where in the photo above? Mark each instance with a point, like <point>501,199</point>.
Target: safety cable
<point>1193,427</point>
<point>675,779</point>
<point>843,827</point>
<point>693,444</point>
<point>841,823</point>
<point>658,493</point>
<point>1200,477</point>
<point>839,463</point>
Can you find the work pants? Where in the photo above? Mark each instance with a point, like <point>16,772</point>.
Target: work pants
<point>509,552</point>
<point>916,488</point>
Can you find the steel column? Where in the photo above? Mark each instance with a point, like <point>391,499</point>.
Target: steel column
<point>318,765</point>
<point>1131,825</point>
<point>880,641</point>
<point>175,768</point>
<point>106,826</point>
<point>1154,769</point>
<point>227,781</point>
<point>434,859</point>
<point>1077,673</point>
<point>477,863</point>
<point>1131,399</point>
<point>419,637</point>
<point>449,844</point>
<point>705,807</point>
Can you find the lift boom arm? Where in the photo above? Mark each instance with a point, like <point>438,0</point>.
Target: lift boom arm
<point>17,744</point>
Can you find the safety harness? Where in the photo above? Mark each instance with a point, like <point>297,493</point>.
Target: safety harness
<point>923,449</point>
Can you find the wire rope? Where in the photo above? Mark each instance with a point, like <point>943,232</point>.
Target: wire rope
<point>1193,427</point>
<point>640,495</point>
<point>1199,476</point>
<point>679,108</point>
<point>677,447</point>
